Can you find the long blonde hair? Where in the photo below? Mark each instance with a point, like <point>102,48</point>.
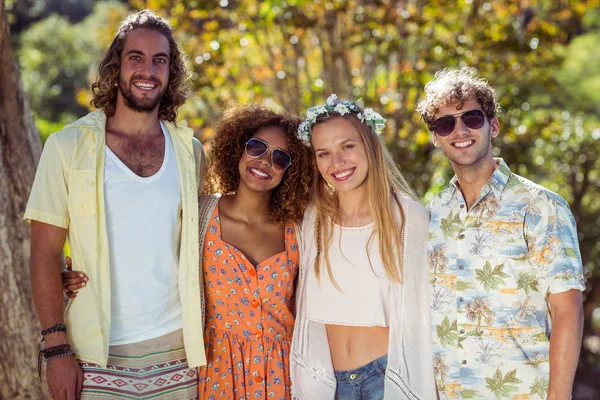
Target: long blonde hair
<point>383,181</point>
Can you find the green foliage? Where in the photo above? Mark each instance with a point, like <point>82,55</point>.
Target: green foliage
<point>527,281</point>
<point>540,57</point>
<point>539,387</point>
<point>447,333</point>
<point>57,59</point>
<point>503,386</point>
<point>491,279</point>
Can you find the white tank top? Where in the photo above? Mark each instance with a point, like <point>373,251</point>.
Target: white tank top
<point>365,296</point>
<point>144,225</point>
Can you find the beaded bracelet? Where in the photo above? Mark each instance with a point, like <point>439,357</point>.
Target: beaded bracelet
<point>53,329</point>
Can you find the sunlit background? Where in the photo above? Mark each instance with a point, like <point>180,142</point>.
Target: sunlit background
<point>541,56</point>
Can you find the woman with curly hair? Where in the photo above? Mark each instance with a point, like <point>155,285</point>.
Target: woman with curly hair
<point>250,255</point>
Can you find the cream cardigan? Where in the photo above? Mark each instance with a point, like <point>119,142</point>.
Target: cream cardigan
<point>409,373</point>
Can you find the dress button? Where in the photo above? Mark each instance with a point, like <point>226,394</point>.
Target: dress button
<point>254,303</point>
<point>461,299</point>
<point>464,362</point>
<point>461,267</point>
<point>462,236</point>
<point>258,379</point>
<point>252,272</point>
<point>258,335</point>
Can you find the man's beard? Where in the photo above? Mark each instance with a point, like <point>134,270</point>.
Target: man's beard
<point>140,104</point>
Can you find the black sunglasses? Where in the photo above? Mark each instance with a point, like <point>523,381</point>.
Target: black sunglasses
<point>256,148</point>
<point>444,126</point>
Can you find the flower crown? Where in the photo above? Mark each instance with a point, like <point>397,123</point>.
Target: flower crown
<point>368,117</point>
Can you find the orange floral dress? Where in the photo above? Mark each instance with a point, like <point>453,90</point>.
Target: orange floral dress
<point>249,319</point>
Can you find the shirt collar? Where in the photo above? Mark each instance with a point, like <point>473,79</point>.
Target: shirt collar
<point>497,181</point>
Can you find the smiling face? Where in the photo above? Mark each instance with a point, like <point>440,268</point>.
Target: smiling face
<point>144,71</point>
<point>259,174</point>
<point>465,146</point>
<point>341,155</point>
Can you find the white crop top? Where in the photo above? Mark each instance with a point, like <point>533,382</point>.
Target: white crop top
<point>365,296</point>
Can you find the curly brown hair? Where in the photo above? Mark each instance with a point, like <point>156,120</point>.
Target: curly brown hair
<point>238,125</point>
<point>456,86</point>
<point>105,90</point>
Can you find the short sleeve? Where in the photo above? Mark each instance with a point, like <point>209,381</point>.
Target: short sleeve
<point>48,198</point>
<point>553,245</point>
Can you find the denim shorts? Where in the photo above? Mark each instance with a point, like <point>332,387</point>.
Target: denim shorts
<point>363,383</point>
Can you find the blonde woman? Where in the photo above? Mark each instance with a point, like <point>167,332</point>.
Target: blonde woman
<point>362,326</point>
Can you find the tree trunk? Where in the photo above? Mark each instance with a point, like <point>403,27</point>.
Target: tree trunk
<point>19,151</point>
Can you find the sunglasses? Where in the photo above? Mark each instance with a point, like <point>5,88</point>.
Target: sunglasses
<point>444,126</point>
<point>256,148</point>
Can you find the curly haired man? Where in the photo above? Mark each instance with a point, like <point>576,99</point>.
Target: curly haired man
<point>121,184</point>
<point>506,273</point>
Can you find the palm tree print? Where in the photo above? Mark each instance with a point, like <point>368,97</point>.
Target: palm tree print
<point>438,259</point>
<point>480,242</point>
<point>525,309</point>
<point>491,279</point>
<point>480,310</point>
<point>441,369</point>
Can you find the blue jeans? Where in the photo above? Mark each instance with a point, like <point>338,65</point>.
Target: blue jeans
<point>363,383</point>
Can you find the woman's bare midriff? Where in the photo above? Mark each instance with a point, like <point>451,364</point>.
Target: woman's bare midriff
<point>354,346</point>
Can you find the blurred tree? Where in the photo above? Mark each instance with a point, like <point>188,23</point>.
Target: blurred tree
<point>58,60</point>
<point>19,151</point>
<point>540,56</point>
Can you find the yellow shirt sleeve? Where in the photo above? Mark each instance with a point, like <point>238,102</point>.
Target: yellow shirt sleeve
<point>48,201</point>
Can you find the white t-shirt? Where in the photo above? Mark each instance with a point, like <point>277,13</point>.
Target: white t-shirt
<point>144,227</point>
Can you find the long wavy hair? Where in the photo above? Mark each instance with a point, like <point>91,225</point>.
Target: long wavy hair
<point>105,88</point>
<point>384,180</point>
<point>236,127</point>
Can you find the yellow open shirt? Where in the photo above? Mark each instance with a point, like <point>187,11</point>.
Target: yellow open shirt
<point>68,192</point>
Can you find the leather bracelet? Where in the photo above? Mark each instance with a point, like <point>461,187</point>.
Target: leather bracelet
<point>52,353</point>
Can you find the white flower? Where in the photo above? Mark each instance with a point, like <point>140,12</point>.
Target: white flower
<point>341,108</point>
<point>361,117</point>
<point>369,113</point>
<point>311,113</point>
<point>320,110</point>
<point>331,100</point>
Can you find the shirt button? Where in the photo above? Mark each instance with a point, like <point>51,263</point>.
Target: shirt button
<point>258,335</point>
<point>461,299</point>
<point>461,267</point>
<point>462,331</point>
<point>258,379</point>
<point>462,236</point>
<point>464,362</point>
<point>254,303</point>
<point>252,272</point>
<point>462,206</point>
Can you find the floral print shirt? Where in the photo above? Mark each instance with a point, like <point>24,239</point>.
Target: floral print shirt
<point>491,269</point>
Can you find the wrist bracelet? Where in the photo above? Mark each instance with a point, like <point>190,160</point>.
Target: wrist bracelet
<point>52,353</point>
<point>53,329</point>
